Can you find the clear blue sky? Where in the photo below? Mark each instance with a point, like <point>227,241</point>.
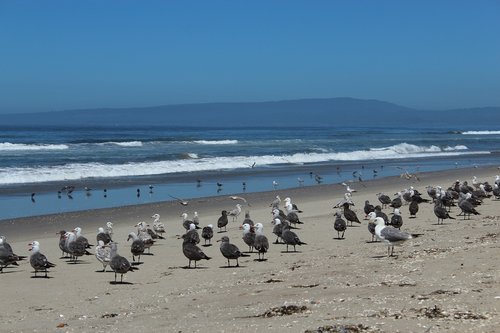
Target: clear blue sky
<point>57,55</point>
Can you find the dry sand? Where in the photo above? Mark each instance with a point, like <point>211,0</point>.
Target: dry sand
<point>447,280</point>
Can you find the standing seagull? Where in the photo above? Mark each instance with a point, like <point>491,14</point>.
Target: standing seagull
<point>441,212</point>
<point>390,235</point>
<point>413,208</point>
<point>396,219</point>
<point>230,251</point>
<point>235,212</point>
<point>120,265</point>
<point>192,252</point>
<point>261,244</point>
<point>37,260</point>
<point>340,225</point>
<point>137,247</point>
<point>350,215</point>
<point>207,233</point>
<point>384,199</point>
<point>222,221</point>
<point>248,235</point>
<point>290,238</point>
<point>103,254</point>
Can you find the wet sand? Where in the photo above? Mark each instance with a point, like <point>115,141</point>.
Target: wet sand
<point>446,280</point>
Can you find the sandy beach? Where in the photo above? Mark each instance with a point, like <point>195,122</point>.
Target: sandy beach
<point>446,280</point>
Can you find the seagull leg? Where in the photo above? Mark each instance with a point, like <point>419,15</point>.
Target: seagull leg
<point>237,263</point>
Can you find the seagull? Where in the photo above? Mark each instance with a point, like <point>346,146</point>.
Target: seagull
<point>349,214</point>
<point>248,235</point>
<point>290,238</point>
<point>222,221</point>
<point>179,200</point>
<point>109,228</point>
<point>275,184</point>
<point>103,254</point>
<point>207,233</point>
<point>230,251</point>
<point>347,198</point>
<point>396,219</point>
<point>120,265</point>
<point>235,212</point>
<point>234,197</point>
<point>103,236</point>
<point>37,260</point>
<point>340,225</point>
<point>137,247</point>
<point>348,188</point>
<point>441,212</point>
<point>261,244</point>
<point>291,207</point>
<point>384,199</point>
<point>276,202</point>
<point>7,257</point>
<point>186,222</point>
<point>192,235</point>
<point>158,226</point>
<point>390,235</point>
<point>192,252</point>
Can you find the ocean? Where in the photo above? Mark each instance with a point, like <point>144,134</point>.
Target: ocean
<point>134,165</point>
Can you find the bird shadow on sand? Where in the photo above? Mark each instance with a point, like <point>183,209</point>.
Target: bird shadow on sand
<point>240,266</point>
<point>206,245</point>
<point>291,251</point>
<point>101,271</point>
<point>260,260</point>
<point>42,277</point>
<point>354,226</point>
<point>81,262</point>
<point>137,263</point>
<point>147,254</point>
<point>441,223</point>
<point>197,267</point>
<point>8,272</point>
<point>221,232</point>
<point>118,282</point>
<point>372,242</point>
<point>338,238</point>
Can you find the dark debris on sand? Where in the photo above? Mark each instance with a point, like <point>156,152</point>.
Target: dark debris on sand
<point>284,310</point>
<point>360,328</point>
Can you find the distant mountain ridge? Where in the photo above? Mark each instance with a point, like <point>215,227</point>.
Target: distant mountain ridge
<point>339,111</point>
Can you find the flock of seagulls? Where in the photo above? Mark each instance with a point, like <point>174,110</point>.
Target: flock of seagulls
<point>459,194</point>
<point>285,218</point>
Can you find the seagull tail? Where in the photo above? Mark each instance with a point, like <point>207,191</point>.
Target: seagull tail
<point>416,235</point>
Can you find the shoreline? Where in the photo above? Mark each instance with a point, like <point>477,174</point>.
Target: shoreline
<point>257,198</point>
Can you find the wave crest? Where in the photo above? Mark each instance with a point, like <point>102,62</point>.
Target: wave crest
<point>481,132</point>
<point>7,146</point>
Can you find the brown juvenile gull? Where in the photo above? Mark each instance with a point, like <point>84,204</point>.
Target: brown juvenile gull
<point>207,233</point>
<point>230,251</point>
<point>248,235</point>
<point>76,248</point>
<point>368,208</point>
<point>192,252</point>
<point>137,247</point>
<point>467,207</point>
<point>222,221</point>
<point>37,260</point>
<point>441,212</point>
<point>276,202</point>
<point>120,265</point>
<point>277,229</point>
<point>384,199</point>
<point>103,254</point>
<point>413,208</point>
<point>290,238</point>
<point>350,215</point>
<point>261,244</point>
<point>339,225</point>
<point>390,235</point>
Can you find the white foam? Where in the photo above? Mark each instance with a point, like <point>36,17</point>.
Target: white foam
<point>216,142</point>
<point>99,170</point>
<point>124,144</point>
<point>481,132</point>
<point>7,146</point>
